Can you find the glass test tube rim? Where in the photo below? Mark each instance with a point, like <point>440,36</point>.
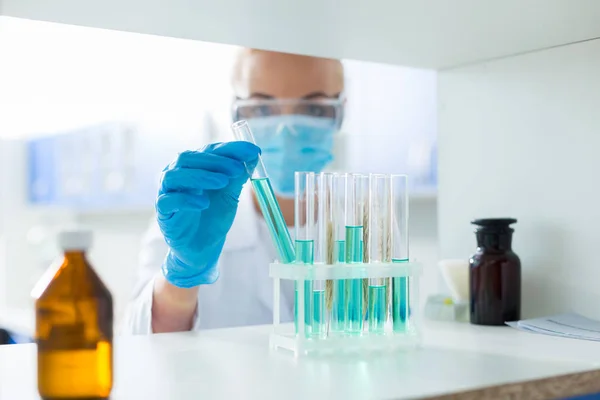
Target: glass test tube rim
<point>242,132</point>
<point>379,175</point>
<point>239,124</point>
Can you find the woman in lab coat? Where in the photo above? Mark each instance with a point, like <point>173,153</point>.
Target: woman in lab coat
<point>204,263</point>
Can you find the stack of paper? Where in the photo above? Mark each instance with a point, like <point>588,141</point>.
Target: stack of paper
<point>571,325</point>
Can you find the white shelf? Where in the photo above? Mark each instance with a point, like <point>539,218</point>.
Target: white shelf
<point>189,365</point>
<point>426,34</point>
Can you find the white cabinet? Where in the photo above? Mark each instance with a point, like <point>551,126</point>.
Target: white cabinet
<point>427,34</point>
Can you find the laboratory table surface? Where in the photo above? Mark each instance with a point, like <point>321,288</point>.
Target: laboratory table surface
<point>461,359</point>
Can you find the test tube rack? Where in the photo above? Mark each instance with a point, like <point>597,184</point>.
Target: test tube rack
<point>285,336</point>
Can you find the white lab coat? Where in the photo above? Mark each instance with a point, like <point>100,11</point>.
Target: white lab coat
<point>243,294</point>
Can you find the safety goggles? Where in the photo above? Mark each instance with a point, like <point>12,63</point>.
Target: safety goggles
<point>254,108</point>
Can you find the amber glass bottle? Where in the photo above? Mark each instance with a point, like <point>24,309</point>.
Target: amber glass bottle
<point>74,326</point>
<point>495,274</point>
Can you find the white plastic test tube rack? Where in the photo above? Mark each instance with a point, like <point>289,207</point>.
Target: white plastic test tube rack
<point>284,336</point>
<point>373,253</point>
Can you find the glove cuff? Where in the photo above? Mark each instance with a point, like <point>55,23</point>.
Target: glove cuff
<point>185,276</point>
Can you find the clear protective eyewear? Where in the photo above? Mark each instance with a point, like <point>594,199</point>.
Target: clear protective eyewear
<point>321,107</point>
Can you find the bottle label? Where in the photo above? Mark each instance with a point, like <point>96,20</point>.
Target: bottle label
<point>76,325</point>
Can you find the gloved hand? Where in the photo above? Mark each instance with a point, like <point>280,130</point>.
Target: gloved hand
<point>196,205</point>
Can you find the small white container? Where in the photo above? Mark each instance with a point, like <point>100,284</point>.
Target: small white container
<point>456,275</point>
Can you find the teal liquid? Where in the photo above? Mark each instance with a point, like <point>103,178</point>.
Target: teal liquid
<point>400,301</point>
<point>377,308</point>
<point>305,255</point>
<point>338,317</point>
<point>354,254</point>
<point>274,218</point>
<point>305,251</point>
<point>354,245</point>
<point>341,251</point>
<point>319,326</point>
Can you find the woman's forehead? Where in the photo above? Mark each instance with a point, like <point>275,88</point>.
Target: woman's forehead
<point>281,75</point>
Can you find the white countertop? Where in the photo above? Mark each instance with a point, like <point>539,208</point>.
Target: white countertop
<point>237,363</point>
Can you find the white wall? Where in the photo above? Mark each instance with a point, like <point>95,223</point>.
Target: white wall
<point>519,137</point>
<point>70,76</point>
<point>21,261</point>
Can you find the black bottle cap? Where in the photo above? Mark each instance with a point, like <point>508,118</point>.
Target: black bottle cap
<point>494,222</point>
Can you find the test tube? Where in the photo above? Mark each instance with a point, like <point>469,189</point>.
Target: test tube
<point>399,233</point>
<point>266,198</point>
<point>339,289</point>
<point>379,244</point>
<point>356,199</point>
<point>324,251</point>
<point>305,237</point>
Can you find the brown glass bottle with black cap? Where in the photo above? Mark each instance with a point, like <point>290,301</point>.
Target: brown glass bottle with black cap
<point>494,274</point>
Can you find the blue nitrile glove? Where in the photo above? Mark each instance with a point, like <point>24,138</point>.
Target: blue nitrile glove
<point>196,205</point>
